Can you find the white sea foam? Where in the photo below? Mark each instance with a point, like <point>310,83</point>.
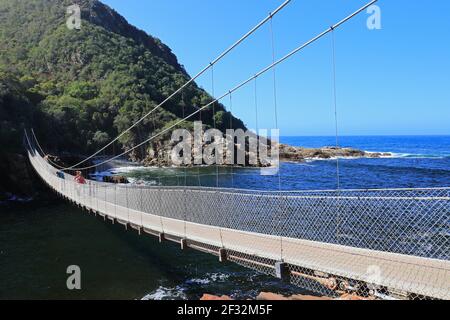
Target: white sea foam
<point>382,154</point>
<point>210,277</point>
<point>219,277</point>
<point>129,169</point>
<point>164,293</point>
<point>390,155</point>
<point>14,198</point>
<point>199,281</point>
<point>179,292</point>
<point>419,156</point>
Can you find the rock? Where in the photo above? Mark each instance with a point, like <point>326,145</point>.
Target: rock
<point>210,297</point>
<point>269,296</point>
<point>308,297</point>
<point>289,153</point>
<point>115,179</point>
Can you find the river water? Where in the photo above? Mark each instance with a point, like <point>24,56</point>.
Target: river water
<point>39,240</point>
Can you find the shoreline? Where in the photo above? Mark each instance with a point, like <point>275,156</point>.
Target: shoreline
<point>295,155</point>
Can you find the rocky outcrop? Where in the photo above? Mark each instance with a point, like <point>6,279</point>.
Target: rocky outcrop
<point>160,155</point>
<point>289,153</point>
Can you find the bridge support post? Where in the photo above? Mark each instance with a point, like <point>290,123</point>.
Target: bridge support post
<point>161,237</point>
<point>183,244</point>
<point>222,255</point>
<point>282,271</point>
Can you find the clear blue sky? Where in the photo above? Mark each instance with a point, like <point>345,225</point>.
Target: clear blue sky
<point>390,81</point>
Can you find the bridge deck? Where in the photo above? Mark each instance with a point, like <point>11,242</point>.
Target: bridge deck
<point>409,274</point>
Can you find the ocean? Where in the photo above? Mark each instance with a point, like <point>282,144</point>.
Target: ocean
<point>38,241</point>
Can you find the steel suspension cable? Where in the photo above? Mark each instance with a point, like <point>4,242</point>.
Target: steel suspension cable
<point>158,174</point>
<point>159,183</point>
<point>216,154</point>
<point>287,56</point>
<point>185,181</point>
<point>215,125</point>
<point>220,57</point>
<point>232,143</point>
<point>43,152</point>
<point>256,112</point>
<point>338,181</point>
<point>37,143</point>
<point>333,56</point>
<point>275,103</point>
<point>275,98</point>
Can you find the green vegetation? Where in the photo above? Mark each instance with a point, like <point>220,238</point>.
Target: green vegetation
<point>16,109</point>
<point>79,88</point>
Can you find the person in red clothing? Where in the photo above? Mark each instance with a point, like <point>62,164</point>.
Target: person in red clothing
<point>79,178</point>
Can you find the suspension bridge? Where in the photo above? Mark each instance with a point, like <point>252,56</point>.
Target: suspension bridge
<point>383,244</point>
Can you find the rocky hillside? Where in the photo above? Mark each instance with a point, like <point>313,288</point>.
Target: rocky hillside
<point>94,82</point>
<point>80,88</point>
